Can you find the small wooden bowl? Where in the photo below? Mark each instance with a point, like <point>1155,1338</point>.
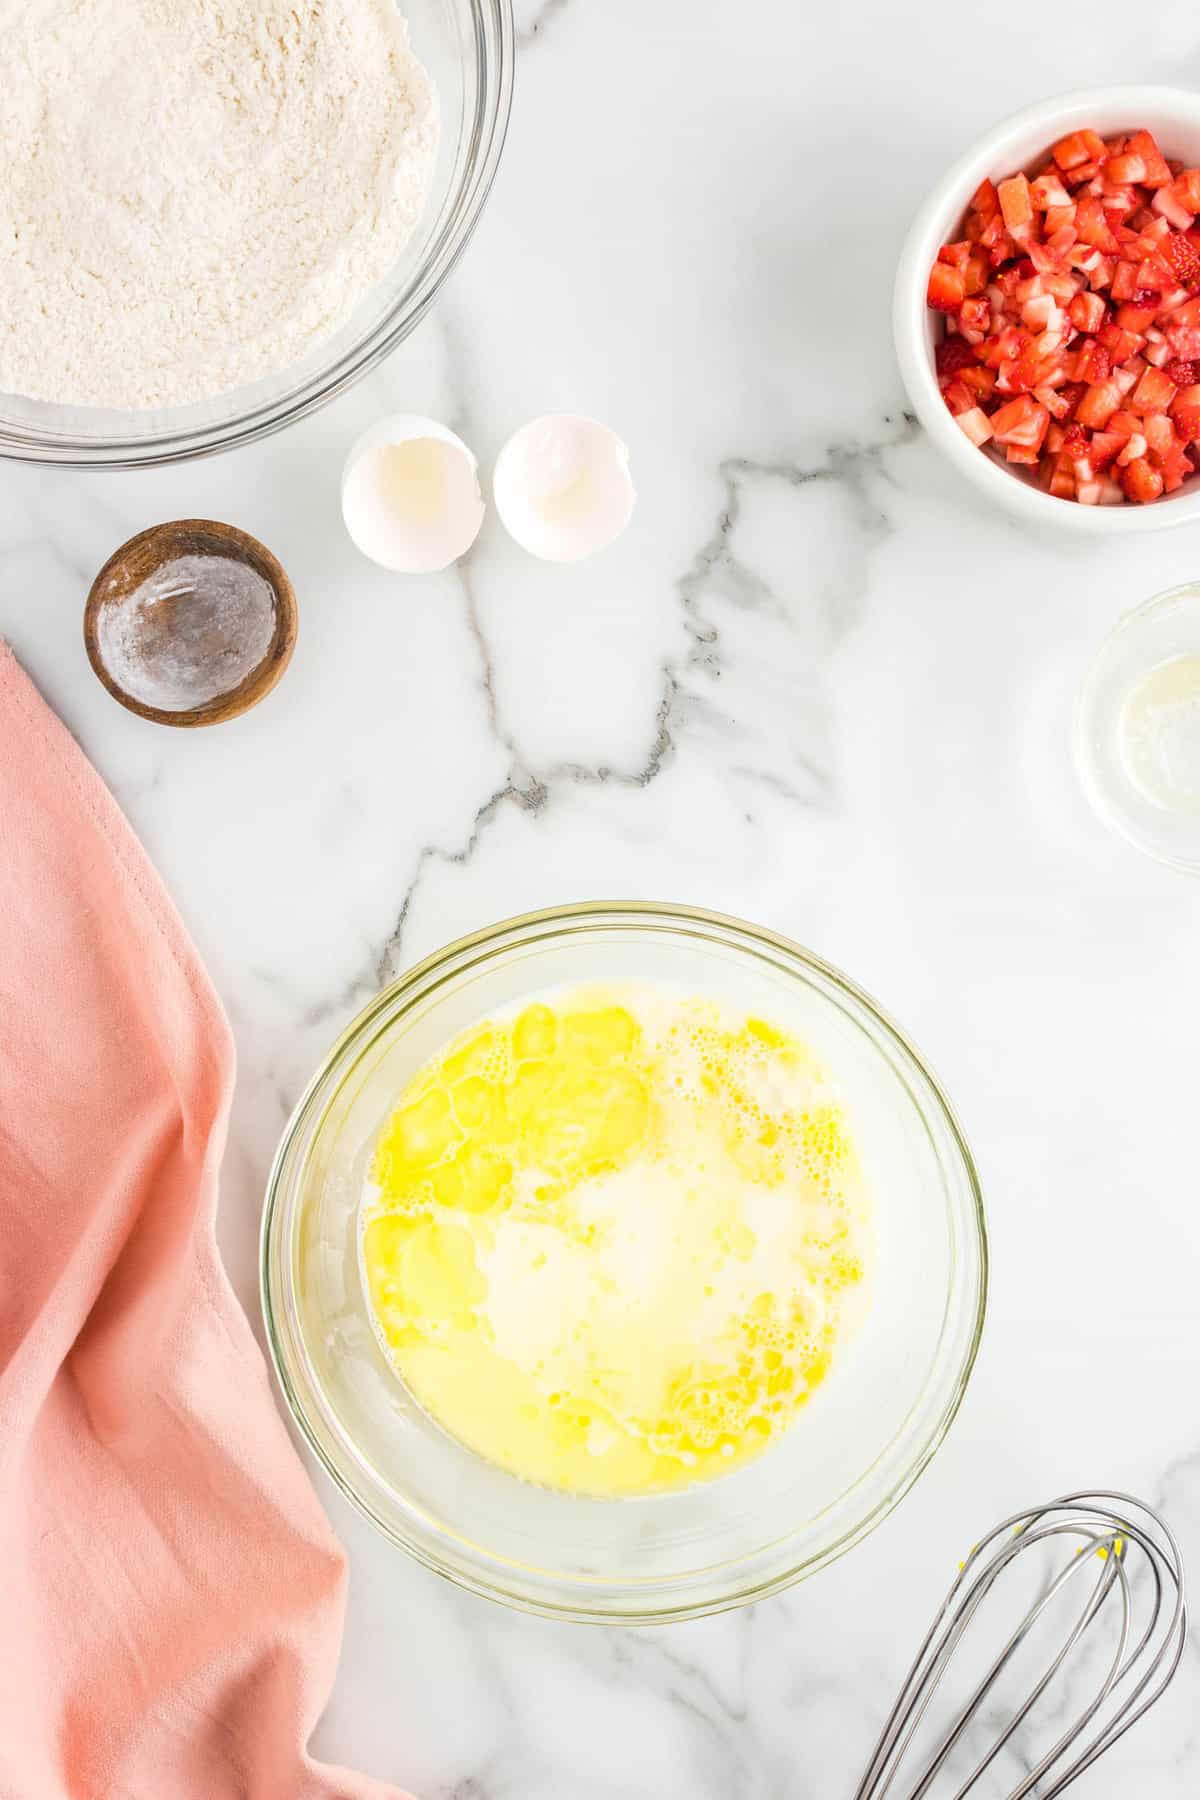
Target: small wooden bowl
<point>128,568</point>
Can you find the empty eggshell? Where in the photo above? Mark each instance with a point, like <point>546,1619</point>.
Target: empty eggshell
<point>410,495</point>
<point>562,487</point>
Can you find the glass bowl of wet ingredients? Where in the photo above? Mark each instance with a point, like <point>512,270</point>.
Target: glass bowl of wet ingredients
<point>832,1470</point>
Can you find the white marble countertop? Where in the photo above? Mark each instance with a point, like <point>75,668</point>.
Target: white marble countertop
<point>817,683</point>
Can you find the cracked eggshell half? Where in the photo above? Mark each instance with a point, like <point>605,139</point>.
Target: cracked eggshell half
<point>562,487</point>
<point>410,495</point>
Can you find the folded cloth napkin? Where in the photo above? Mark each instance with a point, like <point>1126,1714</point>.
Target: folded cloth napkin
<point>170,1592</point>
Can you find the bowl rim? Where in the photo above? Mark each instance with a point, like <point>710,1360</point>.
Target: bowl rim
<point>581,1600</point>
<point>944,203</point>
<point>495,39</point>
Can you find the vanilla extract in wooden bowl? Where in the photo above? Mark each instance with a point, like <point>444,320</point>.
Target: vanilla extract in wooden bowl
<point>190,623</point>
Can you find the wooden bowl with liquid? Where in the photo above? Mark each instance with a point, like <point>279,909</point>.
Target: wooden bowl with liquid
<point>190,623</point>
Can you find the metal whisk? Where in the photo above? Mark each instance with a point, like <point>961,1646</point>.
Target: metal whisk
<point>1126,1602</point>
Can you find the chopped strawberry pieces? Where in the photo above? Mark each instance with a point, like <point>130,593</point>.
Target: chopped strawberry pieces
<point>1071,298</point>
<point>1183,258</point>
<point>947,288</point>
<point>1080,147</point>
<point>1153,393</point>
<point>1142,481</point>
<point>1076,441</point>
<point>1016,205</point>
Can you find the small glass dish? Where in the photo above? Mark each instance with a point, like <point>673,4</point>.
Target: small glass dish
<point>1137,728</point>
<point>854,1450</point>
<point>467,46</point>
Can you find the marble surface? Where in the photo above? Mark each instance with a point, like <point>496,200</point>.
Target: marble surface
<point>817,683</point>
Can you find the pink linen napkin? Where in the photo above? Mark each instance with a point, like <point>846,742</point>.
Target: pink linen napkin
<point>170,1592</point>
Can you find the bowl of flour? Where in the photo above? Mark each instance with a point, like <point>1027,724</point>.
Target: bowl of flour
<point>214,218</point>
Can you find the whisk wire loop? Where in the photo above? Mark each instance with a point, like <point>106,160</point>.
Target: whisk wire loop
<point>1118,1530</point>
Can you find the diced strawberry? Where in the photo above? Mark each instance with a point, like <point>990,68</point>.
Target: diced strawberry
<point>1119,343</point>
<point>958,397</point>
<point>1160,436</point>
<point>1120,203</point>
<point>1062,480</point>
<point>1157,170</point>
<point>985,199</point>
<point>1154,392</point>
<point>1176,469</point>
<point>1186,190</point>
<point>1167,203</point>
<point>1156,349</point>
<point>1016,205</point>
<point>1092,363</point>
<point>976,424</point>
<point>1185,414</point>
<point>947,288</point>
<point>1054,400</point>
<point>1124,425</point>
<point>1104,447</point>
<point>1092,227</point>
<point>1100,273</point>
<point>1075,441</point>
<point>1182,328</point>
<point>1137,314</point>
<point>1086,312</point>
<point>976,273</point>
<point>1077,148</point>
<point>1098,405</point>
<point>1124,283</point>
<point>1141,481</point>
<point>951,355</point>
<point>1060,218</point>
<point>980,380</point>
<point>1072,300</point>
<point>1046,191</point>
<point>1124,168</point>
<point>1021,422</point>
<point>1183,259</point>
<point>1038,312</point>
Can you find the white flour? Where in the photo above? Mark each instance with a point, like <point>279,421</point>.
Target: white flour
<point>195,192</point>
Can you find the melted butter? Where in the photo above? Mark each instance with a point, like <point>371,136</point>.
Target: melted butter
<point>611,1241</point>
<point>1160,734</point>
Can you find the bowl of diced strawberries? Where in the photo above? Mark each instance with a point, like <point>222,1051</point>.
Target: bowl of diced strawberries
<point>1047,311</point>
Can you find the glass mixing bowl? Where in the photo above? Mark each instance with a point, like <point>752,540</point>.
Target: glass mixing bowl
<point>467,47</point>
<point>852,1452</point>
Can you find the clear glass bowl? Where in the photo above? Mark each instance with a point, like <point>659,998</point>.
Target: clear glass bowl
<point>853,1451</point>
<point>1151,636</point>
<point>467,46</point>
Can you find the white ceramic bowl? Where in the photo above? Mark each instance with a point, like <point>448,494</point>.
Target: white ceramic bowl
<point>1173,115</point>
